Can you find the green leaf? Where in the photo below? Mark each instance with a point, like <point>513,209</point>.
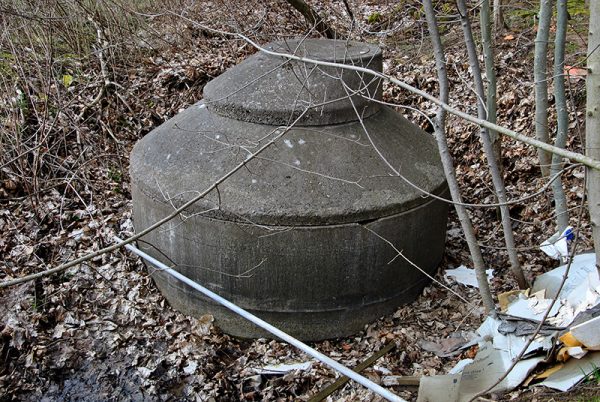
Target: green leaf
<point>67,79</point>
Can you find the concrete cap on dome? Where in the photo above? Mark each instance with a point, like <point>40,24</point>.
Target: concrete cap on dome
<point>274,90</point>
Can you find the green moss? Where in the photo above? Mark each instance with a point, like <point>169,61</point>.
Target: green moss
<point>115,174</point>
<point>6,65</point>
<point>374,17</point>
<point>577,8</point>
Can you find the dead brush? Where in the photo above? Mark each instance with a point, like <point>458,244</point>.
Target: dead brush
<point>59,70</point>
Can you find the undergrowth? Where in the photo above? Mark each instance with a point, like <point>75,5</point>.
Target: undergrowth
<point>57,68</point>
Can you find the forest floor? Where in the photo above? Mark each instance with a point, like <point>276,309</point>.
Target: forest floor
<point>101,330</point>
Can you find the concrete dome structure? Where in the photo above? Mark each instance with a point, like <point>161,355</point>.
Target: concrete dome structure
<point>291,236</point>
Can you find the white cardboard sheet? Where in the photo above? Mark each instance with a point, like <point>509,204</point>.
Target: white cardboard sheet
<point>466,276</point>
<point>573,372</point>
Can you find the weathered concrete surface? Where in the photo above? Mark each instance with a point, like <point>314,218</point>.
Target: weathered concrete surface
<point>312,176</point>
<point>314,282</point>
<point>285,237</point>
<point>274,90</point>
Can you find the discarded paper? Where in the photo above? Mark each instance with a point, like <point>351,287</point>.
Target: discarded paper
<point>557,245</point>
<point>581,267</point>
<point>532,308</point>
<point>502,339</point>
<point>466,276</point>
<point>573,372</point>
<point>280,369</point>
<point>588,333</point>
<point>488,366</point>
<point>451,346</point>
<point>510,343</point>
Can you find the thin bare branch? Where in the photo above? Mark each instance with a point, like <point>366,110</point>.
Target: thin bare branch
<point>488,148</point>
<point>154,226</point>
<point>541,85</point>
<point>574,156</point>
<point>448,164</point>
<point>562,114</point>
<point>592,140</point>
<point>535,333</point>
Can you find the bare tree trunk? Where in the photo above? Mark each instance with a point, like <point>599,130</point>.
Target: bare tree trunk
<point>488,57</point>
<point>350,14</point>
<point>448,164</point>
<point>560,200</point>
<point>541,83</point>
<point>489,149</point>
<point>312,18</point>
<point>498,17</point>
<point>592,131</point>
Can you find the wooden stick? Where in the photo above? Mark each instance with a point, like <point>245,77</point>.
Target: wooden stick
<point>343,379</point>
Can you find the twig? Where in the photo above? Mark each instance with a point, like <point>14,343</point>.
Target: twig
<point>350,13</point>
<point>313,19</point>
<point>546,313</point>
<point>574,156</point>
<point>487,40</point>
<point>541,86</point>
<point>400,254</point>
<point>343,379</point>
<point>312,172</point>
<point>592,124</point>
<point>488,148</point>
<point>103,69</point>
<point>150,228</point>
<point>562,114</point>
<point>448,164</point>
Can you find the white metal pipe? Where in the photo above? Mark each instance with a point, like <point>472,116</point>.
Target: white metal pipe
<point>265,325</point>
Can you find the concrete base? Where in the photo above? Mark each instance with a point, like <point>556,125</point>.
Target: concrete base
<point>314,282</point>
<point>287,236</point>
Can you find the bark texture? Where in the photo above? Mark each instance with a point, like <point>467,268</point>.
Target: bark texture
<point>488,148</point>
<point>313,18</point>
<point>540,61</point>
<point>592,132</point>
<point>560,200</point>
<point>447,162</point>
<point>490,72</point>
<point>498,17</point>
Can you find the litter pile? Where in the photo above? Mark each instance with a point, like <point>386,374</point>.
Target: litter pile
<point>563,353</point>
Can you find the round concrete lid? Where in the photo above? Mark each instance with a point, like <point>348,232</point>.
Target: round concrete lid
<point>340,51</point>
<point>274,90</point>
<point>310,176</point>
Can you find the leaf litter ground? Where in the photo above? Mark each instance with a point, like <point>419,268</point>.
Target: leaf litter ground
<point>102,331</point>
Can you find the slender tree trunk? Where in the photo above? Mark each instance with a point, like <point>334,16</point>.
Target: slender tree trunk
<point>448,164</point>
<point>489,149</point>
<point>540,74</point>
<point>313,18</point>
<point>498,17</point>
<point>592,131</point>
<point>560,200</point>
<point>490,72</point>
